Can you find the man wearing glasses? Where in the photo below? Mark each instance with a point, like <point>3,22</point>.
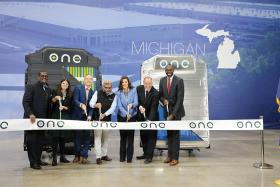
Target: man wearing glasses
<point>36,104</point>
<point>104,103</point>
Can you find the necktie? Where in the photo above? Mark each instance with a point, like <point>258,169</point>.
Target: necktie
<point>87,92</point>
<point>168,85</point>
<point>146,94</point>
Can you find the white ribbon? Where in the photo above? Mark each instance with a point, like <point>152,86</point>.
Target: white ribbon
<point>53,124</point>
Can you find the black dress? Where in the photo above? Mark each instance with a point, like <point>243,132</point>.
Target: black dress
<point>65,114</point>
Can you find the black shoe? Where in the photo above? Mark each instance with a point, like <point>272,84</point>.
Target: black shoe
<point>35,166</point>
<point>140,157</point>
<point>147,161</point>
<point>122,160</point>
<point>54,162</point>
<point>43,163</point>
<point>129,161</point>
<point>63,159</point>
<point>106,158</point>
<point>98,161</point>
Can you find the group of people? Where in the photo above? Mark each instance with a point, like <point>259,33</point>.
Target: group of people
<point>129,103</point>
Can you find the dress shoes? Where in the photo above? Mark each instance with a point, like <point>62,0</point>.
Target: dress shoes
<point>148,161</point>
<point>167,160</point>
<point>35,166</point>
<point>140,157</point>
<point>174,163</point>
<point>63,159</point>
<point>106,158</point>
<point>43,163</point>
<point>76,159</point>
<point>98,161</point>
<point>54,162</point>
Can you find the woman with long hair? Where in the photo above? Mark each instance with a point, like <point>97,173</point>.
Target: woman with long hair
<point>127,100</point>
<point>62,99</point>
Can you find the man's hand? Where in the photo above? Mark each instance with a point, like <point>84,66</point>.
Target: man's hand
<point>98,105</point>
<point>165,102</point>
<point>170,117</point>
<point>142,110</point>
<point>32,118</point>
<point>83,107</point>
<point>89,118</point>
<point>102,116</point>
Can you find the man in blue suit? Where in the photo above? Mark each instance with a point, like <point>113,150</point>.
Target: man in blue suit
<point>82,111</point>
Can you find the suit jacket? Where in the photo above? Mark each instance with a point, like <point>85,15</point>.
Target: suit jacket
<point>150,103</point>
<point>37,101</point>
<point>176,96</point>
<point>79,96</point>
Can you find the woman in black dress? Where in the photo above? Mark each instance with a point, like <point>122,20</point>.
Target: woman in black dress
<point>62,99</point>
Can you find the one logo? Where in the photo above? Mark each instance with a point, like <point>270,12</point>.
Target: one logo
<point>65,56</point>
<point>182,63</point>
<point>201,125</point>
<point>53,57</point>
<point>249,125</point>
<point>50,124</point>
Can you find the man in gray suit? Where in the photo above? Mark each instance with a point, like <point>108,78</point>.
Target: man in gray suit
<point>171,93</point>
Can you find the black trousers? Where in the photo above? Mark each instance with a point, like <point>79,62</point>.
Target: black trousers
<point>34,146</point>
<point>58,141</point>
<point>173,141</point>
<point>148,140</point>
<point>126,141</point>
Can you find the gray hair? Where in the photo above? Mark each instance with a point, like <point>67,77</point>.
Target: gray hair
<point>107,82</point>
<point>148,77</point>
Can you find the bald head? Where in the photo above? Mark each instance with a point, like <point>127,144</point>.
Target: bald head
<point>169,70</point>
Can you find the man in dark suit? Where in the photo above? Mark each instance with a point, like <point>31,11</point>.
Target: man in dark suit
<point>82,111</point>
<point>171,93</point>
<point>36,103</point>
<point>148,99</point>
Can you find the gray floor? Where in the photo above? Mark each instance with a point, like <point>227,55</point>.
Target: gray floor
<point>228,163</point>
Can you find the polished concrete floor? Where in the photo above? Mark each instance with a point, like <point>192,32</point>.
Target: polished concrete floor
<point>228,163</point>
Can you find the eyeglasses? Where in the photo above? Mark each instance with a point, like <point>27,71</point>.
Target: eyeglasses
<point>107,87</point>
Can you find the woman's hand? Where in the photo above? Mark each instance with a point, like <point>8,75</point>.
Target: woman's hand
<point>57,97</point>
<point>129,106</point>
